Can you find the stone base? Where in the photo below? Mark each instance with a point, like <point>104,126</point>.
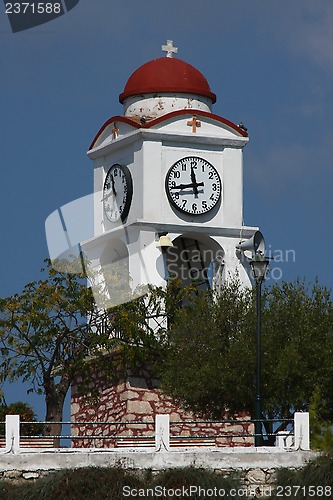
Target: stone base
<point>255,467</point>
<point>125,412</point>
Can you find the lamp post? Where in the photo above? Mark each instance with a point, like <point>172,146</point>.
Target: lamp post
<point>259,265</point>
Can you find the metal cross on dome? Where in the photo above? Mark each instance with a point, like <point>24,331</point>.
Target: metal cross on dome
<point>169,48</point>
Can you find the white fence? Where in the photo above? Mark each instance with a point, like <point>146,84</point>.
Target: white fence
<point>298,439</point>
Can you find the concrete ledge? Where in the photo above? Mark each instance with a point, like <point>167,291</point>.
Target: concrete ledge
<point>220,459</point>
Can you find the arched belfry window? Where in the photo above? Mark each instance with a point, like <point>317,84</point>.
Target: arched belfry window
<point>196,258</point>
<point>114,270</point>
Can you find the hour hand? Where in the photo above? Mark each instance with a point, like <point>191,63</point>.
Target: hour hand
<point>113,186</point>
<point>184,186</point>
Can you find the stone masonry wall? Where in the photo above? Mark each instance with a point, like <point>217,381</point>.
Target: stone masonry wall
<point>136,401</point>
<point>256,483</point>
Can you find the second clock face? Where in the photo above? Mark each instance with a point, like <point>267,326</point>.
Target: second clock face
<point>117,193</point>
<point>193,185</point>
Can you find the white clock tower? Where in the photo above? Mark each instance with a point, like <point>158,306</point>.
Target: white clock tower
<point>168,184</point>
<point>169,171</point>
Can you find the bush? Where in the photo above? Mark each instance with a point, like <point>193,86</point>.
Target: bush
<point>26,415</point>
<point>313,482</point>
<point>173,479</point>
<point>306,483</point>
<point>79,484</point>
<point>108,483</point>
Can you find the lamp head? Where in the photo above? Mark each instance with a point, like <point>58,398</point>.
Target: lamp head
<point>164,241</point>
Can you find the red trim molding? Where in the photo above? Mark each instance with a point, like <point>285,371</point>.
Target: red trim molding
<point>168,116</point>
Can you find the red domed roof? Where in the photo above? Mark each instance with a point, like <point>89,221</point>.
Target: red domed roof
<point>167,74</point>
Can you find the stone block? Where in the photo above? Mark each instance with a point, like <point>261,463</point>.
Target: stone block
<point>12,474</point>
<point>150,396</point>
<point>121,387</point>
<point>236,429</point>
<point>128,395</point>
<point>256,476</point>
<point>271,475</point>
<point>30,475</point>
<point>130,417</point>
<point>149,419</point>
<point>75,408</point>
<point>141,407</point>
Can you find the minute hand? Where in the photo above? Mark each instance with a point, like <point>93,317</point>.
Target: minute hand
<point>183,186</point>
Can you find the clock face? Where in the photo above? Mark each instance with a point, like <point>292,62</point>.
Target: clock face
<point>117,193</point>
<point>193,185</point>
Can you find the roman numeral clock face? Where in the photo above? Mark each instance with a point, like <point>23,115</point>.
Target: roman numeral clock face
<point>193,185</point>
<point>117,193</point>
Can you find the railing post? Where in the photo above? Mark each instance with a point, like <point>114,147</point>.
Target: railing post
<point>301,431</point>
<point>13,433</point>
<point>162,432</point>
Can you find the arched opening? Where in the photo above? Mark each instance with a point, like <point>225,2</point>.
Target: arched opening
<point>114,269</point>
<point>196,258</point>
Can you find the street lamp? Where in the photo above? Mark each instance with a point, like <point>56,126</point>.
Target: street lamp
<point>259,265</point>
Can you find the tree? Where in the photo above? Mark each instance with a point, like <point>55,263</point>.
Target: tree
<point>53,332</point>
<point>203,366</point>
<point>297,349</point>
<point>26,415</point>
<point>321,435</point>
<point>213,341</point>
<point>46,333</point>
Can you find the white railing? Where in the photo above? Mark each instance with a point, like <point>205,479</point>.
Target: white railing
<point>298,439</point>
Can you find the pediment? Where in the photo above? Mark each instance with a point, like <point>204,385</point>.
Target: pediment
<point>183,122</point>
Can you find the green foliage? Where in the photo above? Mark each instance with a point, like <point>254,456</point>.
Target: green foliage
<point>40,328</point>
<point>202,347</point>
<point>104,483</point>
<point>321,435</point>
<point>173,479</point>
<point>209,341</point>
<point>144,323</point>
<point>297,336</point>
<point>213,340</point>
<point>313,481</point>
<point>45,334</point>
<point>26,415</point>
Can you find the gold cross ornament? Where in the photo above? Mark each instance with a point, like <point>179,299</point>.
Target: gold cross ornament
<point>194,123</point>
<point>115,131</point>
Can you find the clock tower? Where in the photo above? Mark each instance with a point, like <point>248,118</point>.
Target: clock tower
<point>168,187</point>
<point>169,167</point>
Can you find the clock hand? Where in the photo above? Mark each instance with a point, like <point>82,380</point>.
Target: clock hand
<point>106,196</point>
<point>113,191</point>
<point>183,186</point>
<point>113,186</point>
<point>193,177</point>
<point>194,181</point>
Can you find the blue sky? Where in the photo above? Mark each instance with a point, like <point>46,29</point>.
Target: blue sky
<point>271,66</point>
